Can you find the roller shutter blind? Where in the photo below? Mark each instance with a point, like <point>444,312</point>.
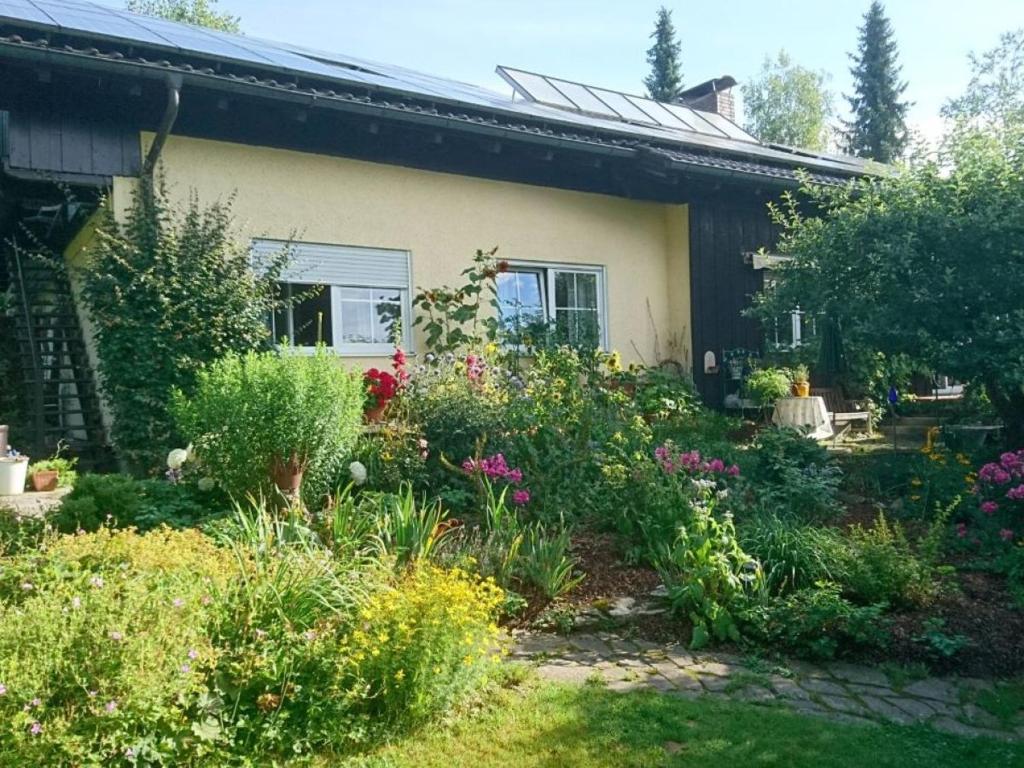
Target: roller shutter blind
<point>338,264</point>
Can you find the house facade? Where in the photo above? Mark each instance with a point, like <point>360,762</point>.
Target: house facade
<point>620,217</point>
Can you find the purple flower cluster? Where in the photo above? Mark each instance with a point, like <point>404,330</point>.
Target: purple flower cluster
<point>496,468</point>
<point>1000,489</point>
<point>691,462</point>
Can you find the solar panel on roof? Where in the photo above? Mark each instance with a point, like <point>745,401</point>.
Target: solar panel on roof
<point>98,21</point>
<point>565,94</point>
<point>24,10</point>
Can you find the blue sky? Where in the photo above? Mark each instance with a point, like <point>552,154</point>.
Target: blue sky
<point>602,42</point>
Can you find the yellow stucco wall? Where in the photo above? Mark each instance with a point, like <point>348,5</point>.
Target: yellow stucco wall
<point>441,219</point>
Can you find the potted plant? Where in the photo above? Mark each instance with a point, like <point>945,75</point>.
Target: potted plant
<point>766,385</point>
<point>269,422</point>
<point>54,472</point>
<point>13,469</point>
<point>381,387</point>
<point>801,381</point>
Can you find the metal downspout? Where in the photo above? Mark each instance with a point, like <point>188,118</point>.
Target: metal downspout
<point>166,123</point>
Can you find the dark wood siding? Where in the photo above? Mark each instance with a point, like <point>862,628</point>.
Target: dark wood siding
<point>722,283</point>
<point>48,140</point>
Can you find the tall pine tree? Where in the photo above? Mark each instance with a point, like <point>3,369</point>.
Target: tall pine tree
<point>878,129</point>
<point>666,78</point>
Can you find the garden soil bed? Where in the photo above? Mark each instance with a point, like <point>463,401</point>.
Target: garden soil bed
<point>983,611</point>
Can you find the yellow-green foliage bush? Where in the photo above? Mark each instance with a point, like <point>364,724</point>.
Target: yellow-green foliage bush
<point>103,650</point>
<point>118,648</point>
<point>423,643</point>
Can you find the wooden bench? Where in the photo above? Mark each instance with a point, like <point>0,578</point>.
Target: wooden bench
<point>843,413</point>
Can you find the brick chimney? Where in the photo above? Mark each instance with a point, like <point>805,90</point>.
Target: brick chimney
<point>712,96</point>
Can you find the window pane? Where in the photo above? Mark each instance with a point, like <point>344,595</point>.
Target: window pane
<point>311,317</point>
<point>586,291</point>
<point>279,321</point>
<point>565,289</point>
<point>357,322</point>
<point>386,315</point>
<point>520,298</point>
<point>356,294</point>
<point>578,327</point>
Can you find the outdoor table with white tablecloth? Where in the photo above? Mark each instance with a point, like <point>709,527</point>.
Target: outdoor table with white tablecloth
<point>807,414</point>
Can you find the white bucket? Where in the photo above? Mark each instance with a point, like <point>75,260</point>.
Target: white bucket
<point>12,475</point>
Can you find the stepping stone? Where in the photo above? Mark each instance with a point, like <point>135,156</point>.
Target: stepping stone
<point>714,683</point>
<point>933,688</point>
<point>713,668</point>
<point>567,673</point>
<point>787,689</point>
<point>533,645</point>
<point>678,677</point>
<point>914,707</point>
<point>660,683</point>
<point>855,673</point>
<point>755,694</point>
<point>625,686</point>
<point>887,710</point>
<point>622,607</point>
<point>590,644</point>
<point>829,687</point>
<point>842,704</point>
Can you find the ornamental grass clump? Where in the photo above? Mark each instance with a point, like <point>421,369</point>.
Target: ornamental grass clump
<point>257,418</point>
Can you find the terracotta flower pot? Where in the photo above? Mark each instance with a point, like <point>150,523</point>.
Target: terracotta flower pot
<point>375,414</point>
<point>45,480</point>
<point>801,389</point>
<point>287,476</point>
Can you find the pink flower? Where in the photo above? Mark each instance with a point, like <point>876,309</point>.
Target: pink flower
<point>36,728</point>
<point>521,497</point>
<point>178,602</point>
<point>1017,494</point>
<point>193,654</point>
<point>716,465</point>
<point>186,668</point>
<point>3,689</point>
<point>515,476</point>
<point>961,530</point>
<point>733,471</point>
<point>1006,534</point>
<point>989,507</point>
<point>111,706</point>
<point>116,636</point>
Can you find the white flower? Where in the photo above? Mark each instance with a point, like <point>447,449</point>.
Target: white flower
<point>176,458</point>
<point>358,472</point>
<point>206,484</point>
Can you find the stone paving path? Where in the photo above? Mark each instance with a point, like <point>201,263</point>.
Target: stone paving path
<point>838,691</point>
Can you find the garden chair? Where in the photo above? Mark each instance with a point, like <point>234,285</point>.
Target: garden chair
<point>843,413</point>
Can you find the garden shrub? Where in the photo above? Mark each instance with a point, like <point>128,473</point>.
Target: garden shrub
<point>421,646</point>
<point>793,475</point>
<point>123,501</point>
<point>816,621</point>
<point>252,413</point>
<point>105,654</point>
<point>179,284</point>
<point>998,519</point>
<point>165,648</point>
<point>881,566</point>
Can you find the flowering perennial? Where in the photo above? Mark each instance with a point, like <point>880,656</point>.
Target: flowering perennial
<point>691,462</point>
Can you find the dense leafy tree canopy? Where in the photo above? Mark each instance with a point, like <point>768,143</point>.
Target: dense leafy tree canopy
<point>202,13</point>
<point>666,78</point>
<point>929,264</point>
<point>878,129</point>
<point>788,104</point>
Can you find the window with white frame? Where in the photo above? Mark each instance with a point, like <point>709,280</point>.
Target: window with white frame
<point>568,298</point>
<point>350,298</point>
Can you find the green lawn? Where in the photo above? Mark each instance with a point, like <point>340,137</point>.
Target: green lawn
<point>553,726</point>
